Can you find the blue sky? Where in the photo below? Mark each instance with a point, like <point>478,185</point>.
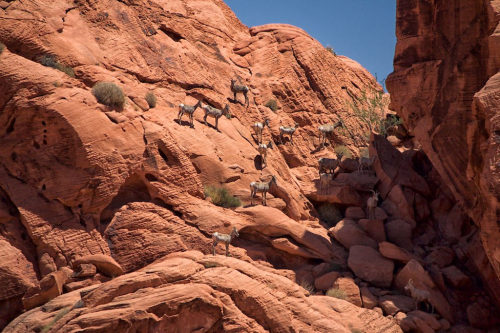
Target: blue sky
<point>363,30</point>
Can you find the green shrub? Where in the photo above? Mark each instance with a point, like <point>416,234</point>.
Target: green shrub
<point>151,99</point>
<point>1,47</point>
<point>364,152</point>
<point>337,293</point>
<point>330,49</point>
<point>329,214</point>
<point>109,94</point>
<point>50,61</point>
<point>272,104</point>
<point>370,110</point>
<point>221,197</point>
<point>344,150</point>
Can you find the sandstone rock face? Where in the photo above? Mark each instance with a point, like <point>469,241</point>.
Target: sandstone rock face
<point>445,86</point>
<point>189,291</point>
<point>351,290</point>
<point>348,233</point>
<point>128,184</point>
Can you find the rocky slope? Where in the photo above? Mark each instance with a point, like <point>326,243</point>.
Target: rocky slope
<point>78,178</point>
<point>103,216</point>
<point>445,86</point>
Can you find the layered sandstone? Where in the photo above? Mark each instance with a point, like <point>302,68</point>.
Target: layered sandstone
<point>445,86</point>
<point>79,179</point>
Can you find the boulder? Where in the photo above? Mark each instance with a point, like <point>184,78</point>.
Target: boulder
<point>354,213</point>
<point>50,287</point>
<point>399,232</point>
<point>368,264</point>
<point>455,277</point>
<point>369,300</point>
<point>86,270</point>
<point>392,304</point>
<point>451,225</point>
<point>374,228</point>
<point>428,318</point>
<point>480,316</point>
<point>351,290</point>
<point>104,264</point>
<point>394,252</point>
<point>326,281</point>
<point>441,256</point>
<point>348,233</point>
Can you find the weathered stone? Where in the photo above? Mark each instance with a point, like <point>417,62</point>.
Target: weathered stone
<point>374,228</point>
<point>369,300</point>
<point>370,266</point>
<point>456,277</point>
<point>399,232</point>
<point>354,213</point>
<point>348,233</point>
<point>350,289</point>
<point>326,281</point>
<point>394,252</point>
<point>392,304</point>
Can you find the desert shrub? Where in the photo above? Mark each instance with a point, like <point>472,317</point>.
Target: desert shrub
<point>364,152</point>
<point>58,316</point>
<point>272,104</point>
<point>151,99</point>
<point>330,49</point>
<point>329,214</point>
<point>344,150</point>
<point>109,94</point>
<point>210,264</point>
<point>370,110</point>
<point>221,197</point>
<point>307,286</point>
<point>2,47</point>
<point>337,293</point>
<point>50,61</point>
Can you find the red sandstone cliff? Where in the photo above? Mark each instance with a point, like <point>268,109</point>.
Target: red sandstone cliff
<point>102,213</point>
<point>446,87</point>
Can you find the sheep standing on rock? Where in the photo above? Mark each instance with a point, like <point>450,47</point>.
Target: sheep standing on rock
<point>287,130</point>
<point>329,164</point>
<point>326,131</point>
<point>259,128</point>
<point>218,237</point>
<point>215,113</point>
<point>419,295</point>
<point>371,204</point>
<point>262,187</point>
<point>189,110</point>
<point>236,88</point>
<point>263,151</point>
<point>365,163</point>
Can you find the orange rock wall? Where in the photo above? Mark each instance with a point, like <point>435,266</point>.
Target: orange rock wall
<point>446,88</point>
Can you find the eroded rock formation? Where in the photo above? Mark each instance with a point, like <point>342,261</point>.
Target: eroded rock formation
<point>446,87</point>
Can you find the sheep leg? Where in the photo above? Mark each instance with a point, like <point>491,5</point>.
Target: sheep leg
<point>247,101</point>
<point>179,116</point>
<point>205,119</point>
<point>281,138</point>
<point>214,244</point>
<point>291,139</point>
<point>251,196</point>
<point>264,201</point>
<point>217,123</point>
<point>227,249</point>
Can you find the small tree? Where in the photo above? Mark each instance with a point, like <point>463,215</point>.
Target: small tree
<point>50,61</point>
<point>221,197</point>
<point>370,110</point>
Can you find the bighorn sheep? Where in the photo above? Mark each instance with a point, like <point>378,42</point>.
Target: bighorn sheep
<point>329,164</point>
<point>289,131</point>
<point>258,128</point>
<point>218,237</point>
<point>189,110</point>
<point>371,204</point>
<point>365,163</point>
<point>263,151</point>
<point>236,88</point>
<point>215,113</point>
<point>262,187</point>
<point>327,131</point>
<point>419,295</point>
